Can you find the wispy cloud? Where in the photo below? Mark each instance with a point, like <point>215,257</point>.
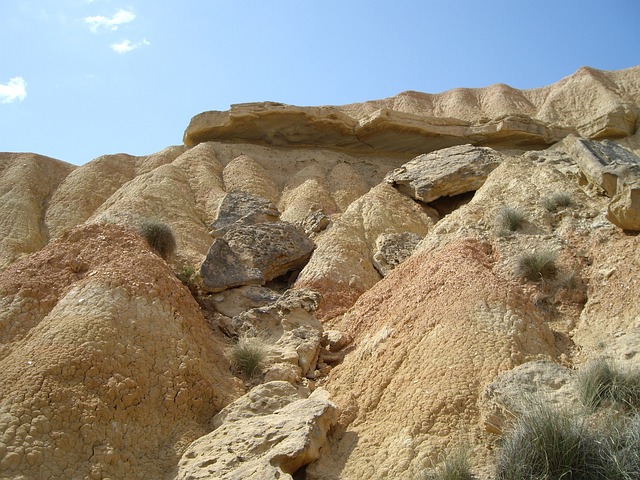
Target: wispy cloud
<point>127,45</point>
<point>110,23</point>
<point>16,89</point>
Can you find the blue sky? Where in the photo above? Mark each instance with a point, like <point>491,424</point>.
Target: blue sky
<point>83,78</point>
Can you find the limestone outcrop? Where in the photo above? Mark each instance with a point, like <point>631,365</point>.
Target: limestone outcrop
<point>269,433</point>
<point>111,368</point>
<point>586,103</point>
<point>616,171</point>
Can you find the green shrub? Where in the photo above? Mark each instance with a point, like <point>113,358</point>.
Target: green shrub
<point>454,466</point>
<point>547,443</point>
<point>602,384</point>
<point>538,265</point>
<point>159,236</point>
<point>510,219</point>
<point>249,355</point>
<point>557,200</point>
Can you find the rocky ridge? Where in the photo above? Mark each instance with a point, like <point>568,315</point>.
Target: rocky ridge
<point>362,247</point>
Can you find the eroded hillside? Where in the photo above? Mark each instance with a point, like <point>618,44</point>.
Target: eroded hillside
<point>372,252</point>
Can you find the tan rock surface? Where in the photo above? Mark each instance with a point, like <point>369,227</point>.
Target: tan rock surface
<point>27,183</point>
<point>592,103</point>
<point>341,268</point>
<point>259,439</point>
<point>90,185</point>
<point>427,338</point>
<point>616,171</point>
<point>445,173</point>
<point>112,368</point>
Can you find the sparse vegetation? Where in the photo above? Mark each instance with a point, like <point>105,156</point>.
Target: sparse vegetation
<point>454,466</point>
<point>547,443</point>
<point>249,355</point>
<point>189,277</point>
<point>556,201</point>
<point>510,220</point>
<point>159,236</point>
<point>538,265</point>
<point>602,384</point>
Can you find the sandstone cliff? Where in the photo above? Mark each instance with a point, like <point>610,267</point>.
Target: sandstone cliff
<point>372,251</point>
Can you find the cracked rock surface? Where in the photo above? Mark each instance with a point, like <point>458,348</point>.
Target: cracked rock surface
<point>110,368</point>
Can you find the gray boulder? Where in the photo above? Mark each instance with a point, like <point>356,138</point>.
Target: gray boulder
<point>254,255</point>
<point>447,172</point>
<point>241,208</point>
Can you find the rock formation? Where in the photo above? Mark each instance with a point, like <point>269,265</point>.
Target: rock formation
<point>374,252</point>
<point>108,365</point>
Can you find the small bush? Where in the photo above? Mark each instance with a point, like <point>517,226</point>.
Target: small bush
<point>546,443</point>
<point>189,277</point>
<point>510,219</point>
<point>601,384</point>
<point>159,236</point>
<point>538,265</point>
<point>455,466</point>
<point>626,451</point>
<point>557,200</point>
<point>249,355</point>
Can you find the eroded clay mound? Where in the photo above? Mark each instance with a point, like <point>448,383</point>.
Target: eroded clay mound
<point>27,182</point>
<point>427,338</point>
<point>109,368</point>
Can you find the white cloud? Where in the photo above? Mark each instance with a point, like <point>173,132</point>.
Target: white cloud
<point>111,23</point>
<point>126,45</point>
<point>16,89</point>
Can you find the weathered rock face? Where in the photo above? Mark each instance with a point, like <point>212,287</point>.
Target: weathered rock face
<point>510,392</point>
<point>587,103</point>
<point>342,267</point>
<point>240,209</point>
<point>290,332</point>
<point>445,173</point>
<point>112,368</point>
<point>392,249</point>
<point>27,182</point>
<point>427,338</point>
<point>269,434</point>
<point>616,171</point>
<point>253,255</point>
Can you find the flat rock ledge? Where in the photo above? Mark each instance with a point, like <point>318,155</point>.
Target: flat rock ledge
<point>269,433</point>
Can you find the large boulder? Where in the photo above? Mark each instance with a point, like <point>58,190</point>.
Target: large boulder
<point>112,368</point>
<point>254,255</point>
<point>445,173</point>
<point>270,433</point>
